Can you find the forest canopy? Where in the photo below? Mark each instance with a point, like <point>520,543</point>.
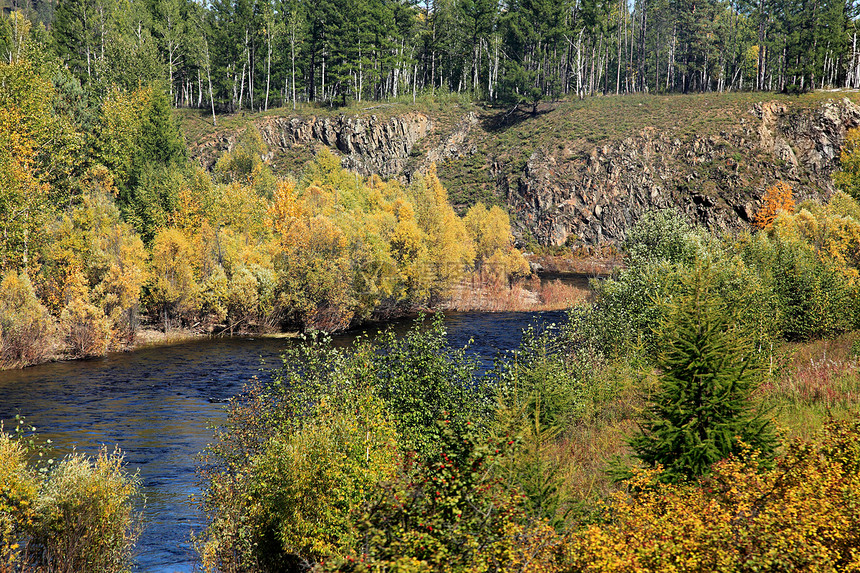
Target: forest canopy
<point>256,54</point>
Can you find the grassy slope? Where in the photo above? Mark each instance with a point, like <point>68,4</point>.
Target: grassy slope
<point>571,130</point>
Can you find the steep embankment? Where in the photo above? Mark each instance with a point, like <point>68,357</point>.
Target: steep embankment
<point>579,172</point>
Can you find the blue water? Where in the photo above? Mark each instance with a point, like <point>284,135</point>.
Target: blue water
<point>159,405</point>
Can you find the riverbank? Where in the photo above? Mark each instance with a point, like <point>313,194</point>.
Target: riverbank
<point>479,292</point>
<point>531,294</point>
<point>587,261</point>
<point>158,404</point>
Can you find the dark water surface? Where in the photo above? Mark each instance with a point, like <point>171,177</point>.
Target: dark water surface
<point>158,405</point>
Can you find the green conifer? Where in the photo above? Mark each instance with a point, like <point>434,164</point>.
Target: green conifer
<point>702,411</point>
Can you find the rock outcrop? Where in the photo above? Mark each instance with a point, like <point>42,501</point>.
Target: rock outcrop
<point>367,144</point>
<point>717,180</point>
<point>590,194</point>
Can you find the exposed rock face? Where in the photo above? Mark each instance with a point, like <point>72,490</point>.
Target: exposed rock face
<point>591,194</point>
<point>454,146</point>
<point>367,144</point>
<point>716,180</point>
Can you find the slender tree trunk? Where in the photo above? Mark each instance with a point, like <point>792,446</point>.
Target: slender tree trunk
<point>242,85</point>
<point>293,62</point>
<point>618,69</point>
<point>268,63</point>
<point>250,70</point>
<point>211,95</point>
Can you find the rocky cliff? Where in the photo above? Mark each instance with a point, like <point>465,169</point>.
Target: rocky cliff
<point>367,144</point>
<point>564,187</point>
<point>717,180</point>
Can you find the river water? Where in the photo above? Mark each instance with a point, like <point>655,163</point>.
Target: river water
<point>159,405</point>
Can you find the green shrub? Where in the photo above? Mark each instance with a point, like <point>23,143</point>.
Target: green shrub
<point>85,516</point>
<point>547,374</point>
<point>300,455</point>
<point>812,294</point>
<point>664,235</point>
<point>448,512</point>
<point>663,251</point>
<point>813,297</point>
<point>293,500</point>
<point>418,375</point>
<point>309,481</point>
<point>622,317</point>
<point>422,379</point>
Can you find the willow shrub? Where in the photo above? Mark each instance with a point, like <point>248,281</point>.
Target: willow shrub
<point>450,511</point>
<point>812,296</point>
<point>663,250</point>
<point>27,330</point>
<point>78,516</point>
<point>85,515</point>
<point>292,503</point>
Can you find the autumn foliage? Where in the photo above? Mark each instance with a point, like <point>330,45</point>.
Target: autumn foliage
<point>776,199</point>
<point>800,514</point>
<point>78,514</point>
<point>113,227</point>
<point>847,179</point>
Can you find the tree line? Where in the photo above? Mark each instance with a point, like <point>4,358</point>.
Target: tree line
<point>255,54</point>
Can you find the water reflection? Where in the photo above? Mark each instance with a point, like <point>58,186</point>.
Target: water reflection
<point>158,405</point>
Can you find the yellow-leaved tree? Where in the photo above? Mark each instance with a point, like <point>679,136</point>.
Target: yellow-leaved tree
<point>24,194</point>
<point>173,288</point>
<point>27,330</point>
<point>495,253</point>
<point>847,178</point>
<point>93,239</point>
<point>450,250</point>
<point>86,329</point>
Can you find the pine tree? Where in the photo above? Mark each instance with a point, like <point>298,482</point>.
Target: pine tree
<point>702,410</point>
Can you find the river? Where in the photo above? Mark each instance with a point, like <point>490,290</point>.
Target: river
<point>159,405</point>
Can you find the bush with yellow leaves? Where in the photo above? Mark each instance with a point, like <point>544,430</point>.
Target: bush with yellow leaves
<point>847,179</point>
<point>76,515</point>
<point>27,330</point>
<point>801,514</point>
<point>87,329</point>
<point>18,490</point>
